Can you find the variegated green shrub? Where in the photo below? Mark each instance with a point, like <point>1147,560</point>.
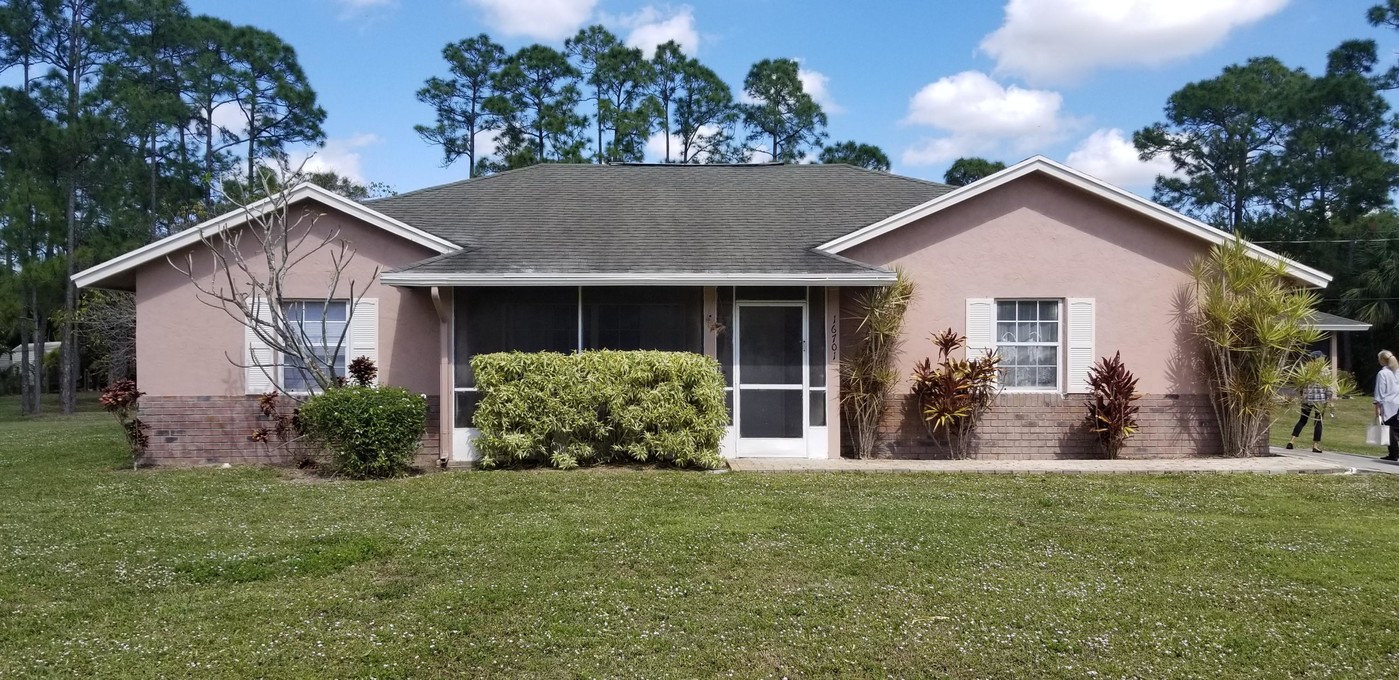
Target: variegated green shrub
<point>567,410</point>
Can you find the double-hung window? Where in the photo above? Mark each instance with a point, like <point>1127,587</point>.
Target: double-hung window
<point>323,328</point>
<point>1027,338</point>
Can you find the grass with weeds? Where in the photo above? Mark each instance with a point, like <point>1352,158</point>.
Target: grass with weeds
<point>106,572</point>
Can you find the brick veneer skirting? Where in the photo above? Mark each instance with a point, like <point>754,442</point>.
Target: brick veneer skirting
<point>1046,426</point>
<point>216,430</point>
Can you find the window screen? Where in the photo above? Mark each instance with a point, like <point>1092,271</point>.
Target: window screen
<point>1027,337</point>
<point>323,328</point>
<point>661,318</point>
<point>526,319</point>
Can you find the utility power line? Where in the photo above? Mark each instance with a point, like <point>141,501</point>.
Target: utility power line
<point>1333,240</point>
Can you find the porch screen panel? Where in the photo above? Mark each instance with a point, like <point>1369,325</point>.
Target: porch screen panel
<point>631,318</point>
<point>768,293</point>
<point>818,335</point>
<point>527,319</point>
<point>723,340</point>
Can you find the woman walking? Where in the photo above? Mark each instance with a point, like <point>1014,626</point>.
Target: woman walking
<point>1315,397</point>
<point>1387,400</point>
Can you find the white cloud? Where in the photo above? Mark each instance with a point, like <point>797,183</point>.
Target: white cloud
<point>1058,40</point>
<point>941,150</point>
<point>542,19</point>
<point>655,147</point>
<point>818,85</point>
<point>979,115</point>
<point>340,154</point>
<point>1109,155</point>
<point>230,117</point>
<point>487,141</point>
<point>350,9</point>
<point>814,83</point>
<point>651,26</point>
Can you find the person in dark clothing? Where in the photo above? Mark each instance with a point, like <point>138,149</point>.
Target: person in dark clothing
<point>1315,397</point>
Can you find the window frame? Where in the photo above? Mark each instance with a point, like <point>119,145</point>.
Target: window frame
<point>345,348</point>
<point>1059,344</point>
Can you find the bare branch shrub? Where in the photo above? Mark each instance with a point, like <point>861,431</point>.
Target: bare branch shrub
<point>252,266</point>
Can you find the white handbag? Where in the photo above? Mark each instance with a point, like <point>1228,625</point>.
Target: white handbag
<point>1377,434</point>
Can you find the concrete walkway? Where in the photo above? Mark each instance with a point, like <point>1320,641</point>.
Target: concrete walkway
<point>1269,465</point>
<point>1347,460</point>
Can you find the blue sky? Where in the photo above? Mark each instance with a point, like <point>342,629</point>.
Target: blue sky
<point>926,81</point>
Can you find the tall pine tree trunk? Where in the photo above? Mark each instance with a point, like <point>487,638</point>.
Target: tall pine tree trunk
<point>208,179</point>
<point>26,384</point>
<point>68,373</point>
<point>155,178</point>
<point>252,140</point>
<point>41,334</point>
<point>68,365</point>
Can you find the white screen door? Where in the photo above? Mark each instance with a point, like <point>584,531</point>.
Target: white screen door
<point>770,376</point>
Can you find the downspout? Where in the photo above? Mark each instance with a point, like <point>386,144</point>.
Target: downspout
<point>447,403</point>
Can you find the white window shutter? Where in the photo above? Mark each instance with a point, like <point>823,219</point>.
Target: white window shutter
<point>981,326</point>
<point>1081,353</point>
<point>364,332</point>
<point>260,361</point>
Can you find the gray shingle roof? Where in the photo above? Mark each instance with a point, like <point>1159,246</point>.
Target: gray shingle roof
<point>1332,322</point>
<point>606,219</point>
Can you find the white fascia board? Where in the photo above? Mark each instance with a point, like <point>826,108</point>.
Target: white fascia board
<point>218,225</point>
<point>667,279</point>
<point>1340,327</point>
<point>1097,187</point>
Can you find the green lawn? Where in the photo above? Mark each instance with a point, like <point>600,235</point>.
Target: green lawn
<point>105,572</point>
<point>1345,432</point>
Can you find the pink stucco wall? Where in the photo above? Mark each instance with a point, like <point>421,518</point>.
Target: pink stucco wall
<point>1041,238</point>
<point>182,345</point>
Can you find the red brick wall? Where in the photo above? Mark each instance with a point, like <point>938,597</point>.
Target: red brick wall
<point>1040,426</point>
<point>217,430</point>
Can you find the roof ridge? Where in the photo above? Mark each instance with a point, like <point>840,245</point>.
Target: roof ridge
<point>478,179</point>
<point>435,258</point>
<point>886,173</point>
<point>841,258</point>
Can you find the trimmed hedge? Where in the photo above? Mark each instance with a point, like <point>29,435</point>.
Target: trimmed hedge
<point>600,406</point>
<point>370,431</point>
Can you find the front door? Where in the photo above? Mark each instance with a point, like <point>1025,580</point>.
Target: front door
<point>770,379</point>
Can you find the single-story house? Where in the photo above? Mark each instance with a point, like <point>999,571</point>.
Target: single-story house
<point>14,359</point>
<point>755,265</point>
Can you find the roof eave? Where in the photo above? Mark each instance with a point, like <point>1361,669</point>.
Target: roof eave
<point>97,276</point>
<point>1312,277</point>
<point>424,279</point>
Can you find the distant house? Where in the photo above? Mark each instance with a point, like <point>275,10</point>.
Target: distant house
<point>750,264</point>
<point>14,358</point>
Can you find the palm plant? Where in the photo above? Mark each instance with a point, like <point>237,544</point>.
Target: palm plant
<point>1374,294</point>
<point>867,372</point>
<point>1252,322</point>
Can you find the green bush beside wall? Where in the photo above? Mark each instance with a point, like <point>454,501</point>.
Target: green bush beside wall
<point>602,406</point>
<point>369,431</point>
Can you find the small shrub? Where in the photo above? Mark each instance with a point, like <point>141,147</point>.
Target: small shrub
<point>120,399</point>
<point>1112,415</point>
<point>363,371</point>
<point>370,432</point>
<point>953,395</point>
<point>567,410</point>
